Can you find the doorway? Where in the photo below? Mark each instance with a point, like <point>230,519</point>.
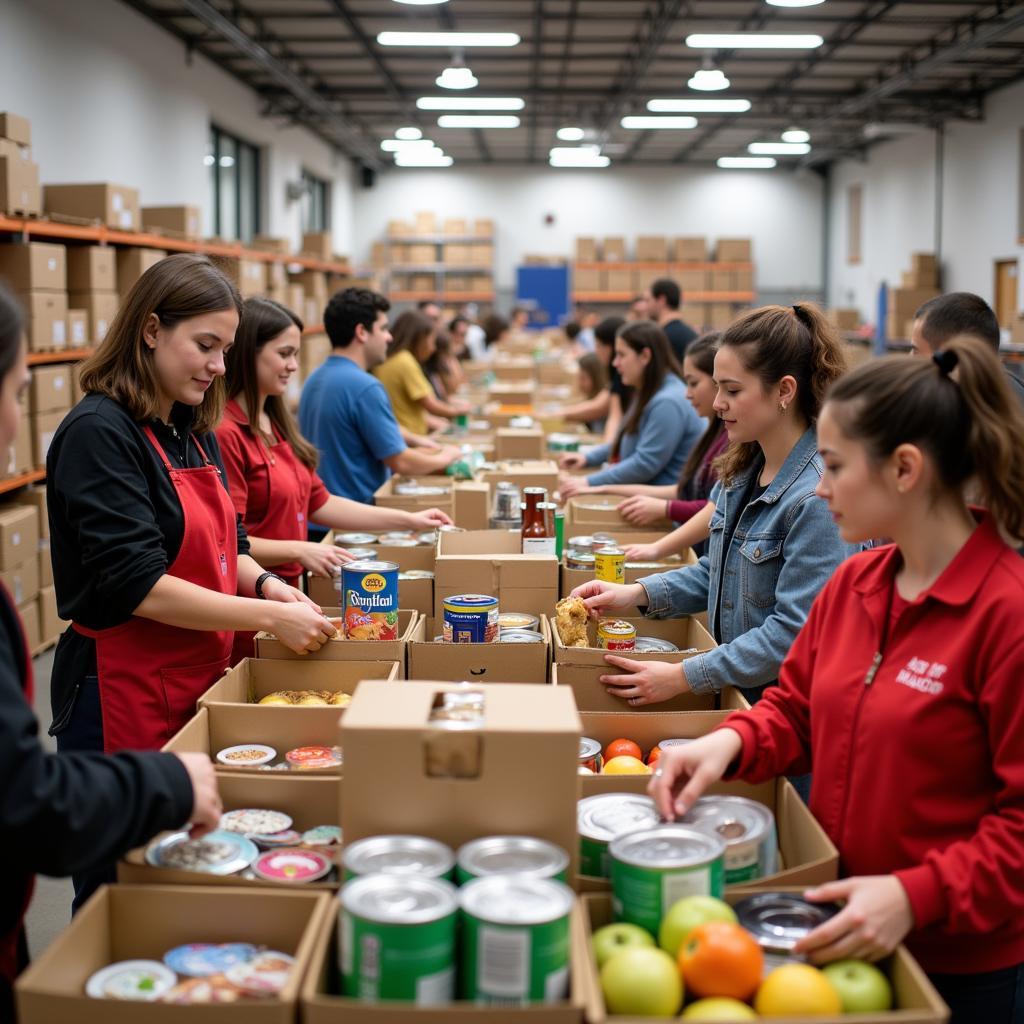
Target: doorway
<point>1006,292</point>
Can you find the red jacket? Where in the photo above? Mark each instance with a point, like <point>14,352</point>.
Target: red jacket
<point>921,773</point>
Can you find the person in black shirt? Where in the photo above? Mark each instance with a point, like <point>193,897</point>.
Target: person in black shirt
<point>663,307</point>
<point>65,813</point>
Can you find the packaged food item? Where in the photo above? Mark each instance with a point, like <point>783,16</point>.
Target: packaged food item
<point>347,540</point>
<point>291,865</point>
<point>363,554</point>
<point>563,443</point>
<point>748,829</point>
<point>264,975</point>
<point>470,619</point>
<point>254,820</point>
<point>398,855</point>
<point>246,755</point>
<point>214,989</point>
<point>520,636</point>
<point>653,645</point>
<point>275,840</point>
<point>310,758</point>
<point>616,635</point>
<point>510,855</point>
<point>142,981</point>
<point>581,542</point>
<point>590,754</point>
<point>571,622</point>
<point>518,620</point>
<point>778,921</point>
<point>216,853</point>
<point>322,835</point>
<point>609,564</point>
<point>538,536</point>
<point>202,959</point>
<point>307,698</point>
<point>599,819</point>
<point>370,600</point>
<point>579,558</point>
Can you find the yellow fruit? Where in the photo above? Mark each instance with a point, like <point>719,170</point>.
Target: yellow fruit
<point>718,1008</point>
<point>275,699</point>
<point>625,765</point>
<point>797,990</point>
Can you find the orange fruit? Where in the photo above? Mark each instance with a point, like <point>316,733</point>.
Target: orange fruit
<point>620,747</point>
<point>625,765</point>
<point>721,959</point>
<point>653,755</point>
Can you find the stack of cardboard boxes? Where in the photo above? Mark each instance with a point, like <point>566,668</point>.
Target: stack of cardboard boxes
<point>176,221</point>
<point>917,286</point>
<point>20,191</point>
<point>93,287</point>
<point>432,256</point>
<point>19,564</point>
<point>37,272</point>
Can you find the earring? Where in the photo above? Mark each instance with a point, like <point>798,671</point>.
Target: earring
<point>782,406</point>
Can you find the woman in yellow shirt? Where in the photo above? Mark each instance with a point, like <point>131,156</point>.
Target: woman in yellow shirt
<point>414,338</point>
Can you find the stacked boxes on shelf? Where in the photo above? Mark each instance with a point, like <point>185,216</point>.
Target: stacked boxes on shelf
<point>93,286</point>
<point>20,191</point>
<point>176,221</point>
<point>917,286</point>
<point>37,271</point>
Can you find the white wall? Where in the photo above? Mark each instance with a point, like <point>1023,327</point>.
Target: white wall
<point>111,98</point>
<point>782,211</point>
<point>980,169</point>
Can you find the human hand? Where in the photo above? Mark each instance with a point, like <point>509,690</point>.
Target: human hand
<point>641,552</point>
<point>321,559</point>
<point>642,510</point>
<point>602,598</point>
<point>570,486</point>
<point>645,682</point>
<point>572,460</point>
<point>301,626</point>
<point>429,519</point>
<point>449,452</point>
<point>683,773</point>
<point>206,805</point>
<point>875,920</point>
<point>284,593</point>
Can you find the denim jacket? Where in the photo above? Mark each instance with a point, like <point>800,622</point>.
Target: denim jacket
<point>784,549</point>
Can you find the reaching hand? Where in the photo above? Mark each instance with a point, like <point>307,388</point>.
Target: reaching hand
<point>683,773</point>
<point>429,519</point>
<point>322,559</point>
<point>642,510</point>
<point>301,627</point>
<point>602,598</point>
<point>641,552</point>
<point>645,682</point>
<point>206,805</point>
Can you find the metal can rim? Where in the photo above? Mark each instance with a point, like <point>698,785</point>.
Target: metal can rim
<point>486,889</point>
<point>355,893</point>
<point>714,847</point>
<point>470,854</point>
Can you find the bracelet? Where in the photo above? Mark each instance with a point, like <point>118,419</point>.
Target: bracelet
<point>263,579</point>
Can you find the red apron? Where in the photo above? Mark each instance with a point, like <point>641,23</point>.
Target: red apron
<point>151,674</point>
<point>289,486</point>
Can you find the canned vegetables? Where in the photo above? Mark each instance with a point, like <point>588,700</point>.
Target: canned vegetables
<point>748,829</point>
<point>599,819</point>
<point>470,619</point>
<point>616,635</point>
<point>398,855</point>
<point>609,564</point>
<point>510,855</point>
<point>370,600</point>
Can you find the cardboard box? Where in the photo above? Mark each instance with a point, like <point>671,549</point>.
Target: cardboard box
<point>319,244</point>
<point>45,565</point>
<point>133,263</point>
<point>126,922</point>
<point>51,388</point>
<point>117,206</point>
<point>516,775</point>
<point>480,255</point>
<point>20,191</point>
<point>905,302</point>
<point>925,267</point>
<point>17,129</point>
<point>416,594</point>
<point>587,280</point>
<point>78,328</point>
<point>34,267</point>
<point>511,393</point>
<point>409,624</point>
<point>523,473</point>
<point>250,276</point>
<point>252,679</point>
<point>686,633</point>
<point>483,227</point>
<point>719,314</point>
<point>22,581</point>
<point>425,223</point>
<point>76,384</point>
<point>652,249</point>
<point>692,280</point>
<point>620,281</point>
<point>587,250</point>
<point>51,625</point>
<point>101,308</point>
<point>520,369</point>
<point>266,243</point>
<point>399,229</point>
<point>491,562</point>
<point>466,501</point>
<point>598,513</point>
<point>689,250</point>
<point>185,221</point>
<point>455,226</point>
<point>19,454</point>
<point>845,319</point>
<point>613,249</point>
<point>47,320</point>
<point>733,250</point>
<point>35,498</point>
<point>485,663</point>
<point>720,281</point>
<point>44,426</point>
<point>92,268</point>
<point>512,443</point>
<point>570,579</point>
<point>29,614</point>
<point>422,254</point>
<point>743,280</point>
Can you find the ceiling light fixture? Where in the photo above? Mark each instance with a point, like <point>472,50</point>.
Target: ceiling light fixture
<point>456,77</point>
<point>752,41</point>
<point>778,148</point>
<point>406,145</point>
<point>423,160</point>
<point>470,103</point>
<point>408,134</point>
<point>685,106</point>
<point>746,162</point>
<point>569,134</point>
<point>421,3</point>
<point>794,3</point>
<point>708,78</point>
<point>448,40</point>
<point>477,121</point>
<point>644,124</point>
<point>796,135</point>
<point>571,156</point>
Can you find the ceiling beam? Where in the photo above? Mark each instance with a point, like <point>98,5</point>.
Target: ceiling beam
<point>538,24</point>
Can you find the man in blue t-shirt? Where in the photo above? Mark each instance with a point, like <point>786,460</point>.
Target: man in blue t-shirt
<point>345,410</point>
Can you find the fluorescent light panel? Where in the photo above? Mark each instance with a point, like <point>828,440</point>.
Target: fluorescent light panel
<point>408,134</point>
<point>477,121</point>
<point>778,148</point>
<point>573,158</point>
<point>407,145</point>
<point>569,134</point>
<point>796,135</point>
<point>448,40</point>
<point>794,3</point>
<point>640,123</point>
<point>752,41</point>
<point>748,162</point>
<point>421,3</point>
<point>685,106</point>
<point>423,160</point>
<point>470,103</point>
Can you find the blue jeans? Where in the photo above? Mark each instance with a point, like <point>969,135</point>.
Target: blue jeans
<point>995,997</point>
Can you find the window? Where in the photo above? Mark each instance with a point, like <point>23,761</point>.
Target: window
<point>1020,190</point>
<point>235,186</point>
<point>854,197</point>
<point>314,203</point>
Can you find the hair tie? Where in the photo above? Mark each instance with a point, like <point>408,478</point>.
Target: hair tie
<point>803,316</point>
<point>946,360</point>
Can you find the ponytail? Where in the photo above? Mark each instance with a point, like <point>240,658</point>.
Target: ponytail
<point>701,352</point>
<point>957,407</point>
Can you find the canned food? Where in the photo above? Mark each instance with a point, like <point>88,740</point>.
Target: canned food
<point>363,554</point>
<point>590,754</point>
<point>398,855</point>
<point>599,819</point>
<point>778,921</point>
<point>608,565</point>
<point>563,443</point>
<point>653,868</point>
<point>515,940</point>
<point>397,536</point>
<point>415,574</point>
<point>370,600</point>
<point>397,939</point>
<point>748,829</point>
<point>510,855</point>
<point>584,542</point>
<point>401,542</point>
<point>314,758</point>
<point>143,981</point>
<point>359,539</point>
<point>216,853</point>
<point>580,559</point>
<point>520,636</point>
<point>654,645</point>
<point>412,489</point>
<point>470,619</point>
<point>518,620</point>
<point>616,635</point>
<point>521,422</point>
<point>604,540</point>
<point>679,741</point>
<point>428,537</point>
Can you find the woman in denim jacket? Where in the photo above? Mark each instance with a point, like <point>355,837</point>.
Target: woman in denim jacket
<point>773,543</point>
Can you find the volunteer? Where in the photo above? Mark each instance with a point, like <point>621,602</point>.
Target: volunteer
<point>773,544</point>
<point>605,405</point>
<point>660,427</point>
<point>149,561</point>
<point>271,467</point>
<point>902,690</point>
<point>62,813</point>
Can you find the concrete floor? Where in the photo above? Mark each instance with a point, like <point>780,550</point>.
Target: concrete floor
<point>50,909</point>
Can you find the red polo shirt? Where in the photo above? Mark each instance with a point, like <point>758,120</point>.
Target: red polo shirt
<point>919,773</point>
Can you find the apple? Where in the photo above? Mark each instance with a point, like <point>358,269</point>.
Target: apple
<point>615,937</point>
<point>643,981</point>
<point>862,987</point>
<point>718,1008</point>
<point>684,915</point>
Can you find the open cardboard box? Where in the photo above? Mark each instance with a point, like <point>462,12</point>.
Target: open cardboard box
<point>127,922</point>
<point>570,579</point>
<point>591,695</point>
<point>466,501</point>
<point>514,776</point>
<point>511,392</point>
<point>340,649</point>
<point>587,513</point>
<point>309,801</point>
<point>217,726</point>
<point>420,557</point>
<point>685,633</point>
<point>520,443</point>
<point>486,663</point>
<point>532,472</point>
<point>323,1004</point>
<point>254,678</point>
<point>416,594</point>
<point>491,562</point>
<point>917,1002</point>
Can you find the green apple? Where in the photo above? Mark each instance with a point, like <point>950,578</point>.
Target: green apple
<point>861,987</point>
<point>684,915</point>
<point>643,981</point>
<point>614,937</point>
<point>718,1008</point>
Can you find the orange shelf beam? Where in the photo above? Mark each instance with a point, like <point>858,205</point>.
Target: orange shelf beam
<point>22,480</point>
<point>68,355</point>
<point>690,296</point>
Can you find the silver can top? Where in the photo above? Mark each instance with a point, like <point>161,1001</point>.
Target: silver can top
<point>399,899</point>
<point>506,855</point>
<point>667,846</point>
<point>607,815</point>
<point>398,855</point>
<point>516,899</point>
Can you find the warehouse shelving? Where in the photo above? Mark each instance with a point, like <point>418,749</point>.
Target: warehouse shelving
<point>438,269</point>
<point>664,269</point>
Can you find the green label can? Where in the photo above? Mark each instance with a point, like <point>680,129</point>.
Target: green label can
<point>397,939</point>
<point>652,869</point>
<point>398,855</point>
<point>748,829</point>
<point>515,940</point>
<point>510,855</point>
<point>599,819</point>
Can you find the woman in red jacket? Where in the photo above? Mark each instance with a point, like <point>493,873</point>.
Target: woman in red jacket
<point>902,691</point>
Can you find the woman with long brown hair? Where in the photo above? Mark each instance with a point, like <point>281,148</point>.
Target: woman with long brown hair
<point>150,562</point>
<point>271,467</point>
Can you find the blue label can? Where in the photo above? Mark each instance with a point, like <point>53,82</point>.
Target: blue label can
<point>471,619</point>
